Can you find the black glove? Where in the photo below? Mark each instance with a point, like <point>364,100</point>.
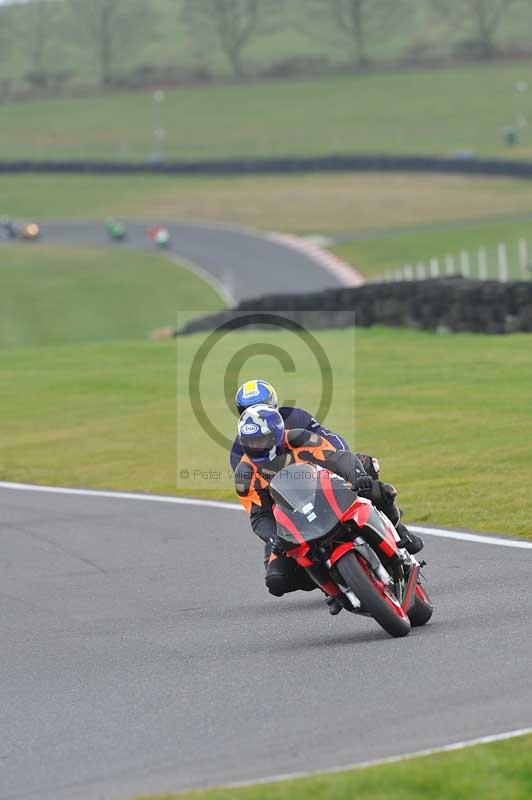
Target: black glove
<point>363,484</point>
<point>276,546</point>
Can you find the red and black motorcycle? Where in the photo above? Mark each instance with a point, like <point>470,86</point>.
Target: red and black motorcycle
<point>349,548</point>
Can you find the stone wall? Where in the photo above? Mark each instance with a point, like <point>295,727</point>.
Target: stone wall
<point>443,305</point>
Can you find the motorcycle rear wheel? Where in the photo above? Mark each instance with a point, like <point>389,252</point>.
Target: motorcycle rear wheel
<point>381,604</point>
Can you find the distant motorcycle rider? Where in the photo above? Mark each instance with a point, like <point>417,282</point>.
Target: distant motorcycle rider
<point>269,447</point>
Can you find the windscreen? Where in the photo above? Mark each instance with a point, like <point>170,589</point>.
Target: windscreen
<point>299,491</point>
<point>295,486</point>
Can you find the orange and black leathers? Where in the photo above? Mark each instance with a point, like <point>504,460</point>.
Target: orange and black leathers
<point>300,446</point>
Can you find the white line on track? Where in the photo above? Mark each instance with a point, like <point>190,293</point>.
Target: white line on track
<point>152,498</point>
<point>446,748</point>
<point>219,287</point>
<point>469,537</point>
<point>190,501</point>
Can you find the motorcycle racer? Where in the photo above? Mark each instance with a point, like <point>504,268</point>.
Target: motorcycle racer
<point>268,448</point>
<point>259,392</point>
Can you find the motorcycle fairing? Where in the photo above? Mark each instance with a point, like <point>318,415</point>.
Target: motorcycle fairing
<point>312,499</point>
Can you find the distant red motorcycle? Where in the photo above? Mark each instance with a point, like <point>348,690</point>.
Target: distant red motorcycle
<point>349,548</point>
<point>159,235</point>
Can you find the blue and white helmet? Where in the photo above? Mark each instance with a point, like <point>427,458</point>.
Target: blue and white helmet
<point>261,433</point>
<point>253,393</point>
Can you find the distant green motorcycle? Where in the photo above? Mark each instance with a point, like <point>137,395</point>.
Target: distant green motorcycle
<point>115,230</point>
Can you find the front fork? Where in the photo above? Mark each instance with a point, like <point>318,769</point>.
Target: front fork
<point>321,574</point>
<point>404,590</point>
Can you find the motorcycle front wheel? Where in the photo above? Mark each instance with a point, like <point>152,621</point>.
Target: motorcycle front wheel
<point>422,609</point>
<point>374,596</point>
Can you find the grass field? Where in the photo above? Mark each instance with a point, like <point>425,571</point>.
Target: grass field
<point>436,112</point>
<point>487,772</point>
<point>63,294</point>
<point>327,204</point>
<point>374,255</point>
<point>444,414</point>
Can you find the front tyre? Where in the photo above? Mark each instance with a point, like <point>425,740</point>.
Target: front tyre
<point>374,596</point>
<point>422,609</point>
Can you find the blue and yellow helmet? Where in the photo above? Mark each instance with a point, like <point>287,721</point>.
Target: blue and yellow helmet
<point>253,393</point>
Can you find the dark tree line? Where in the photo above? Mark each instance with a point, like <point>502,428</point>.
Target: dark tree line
<point>234,23</point>
<point>481,19</point>
<point>109,30</point>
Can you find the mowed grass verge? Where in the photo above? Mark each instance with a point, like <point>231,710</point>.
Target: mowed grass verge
<point>435,112</point>
<point>327,204</point>
<point>445,414</point>
<point>487,772</point>
<point>377,254</point>
<point>65,294</point>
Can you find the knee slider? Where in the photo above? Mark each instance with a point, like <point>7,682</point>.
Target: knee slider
<point>277,584</point>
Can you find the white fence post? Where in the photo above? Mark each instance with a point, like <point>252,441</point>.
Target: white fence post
<point>434,268</point>
<point>421,271</point>
<point>398,275</point>
<point>464,264</point>
<point>449,265</point>
<point>523,259</point>
<point>482,264</point>
<point>502,256</point>
<point>408,272</point>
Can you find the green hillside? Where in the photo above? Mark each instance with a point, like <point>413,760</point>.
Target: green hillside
<point>439,112</point>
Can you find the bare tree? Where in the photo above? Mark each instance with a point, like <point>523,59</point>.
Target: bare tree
<point>350,16</point>
<point>111,27</point>
<point>233,22</point>
<point>5,25</point>
<point>38,24</point>
<point>482,17</point>
<point>355,20</point>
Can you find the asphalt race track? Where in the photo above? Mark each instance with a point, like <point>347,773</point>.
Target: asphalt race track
<point>141,652</point>
<point>246,264</point>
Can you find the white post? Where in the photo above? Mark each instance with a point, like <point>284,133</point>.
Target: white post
<point>408,272</point>
<point>398,275</point>
<point>434,268</point>
<point>449,265</point>
<point>421,271</point>
<point>502,255</point>
<point>464,264</point>
<point>523,259</point>
<point>482,264</point>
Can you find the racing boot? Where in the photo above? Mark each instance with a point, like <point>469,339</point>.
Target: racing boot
<point>412,543</point>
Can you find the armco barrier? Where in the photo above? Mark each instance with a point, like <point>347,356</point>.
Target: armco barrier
<point>443,305</point>
<point>243,166</point>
